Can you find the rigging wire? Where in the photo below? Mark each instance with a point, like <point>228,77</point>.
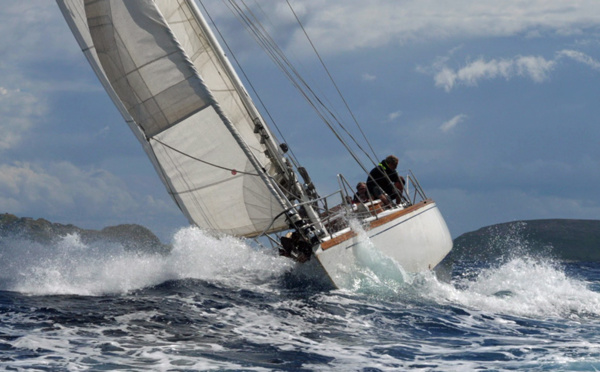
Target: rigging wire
<point>262,37</point>
<point>232,170</point>
<point>294,75</point>
<point>248,81</point>
<point>332,80</point>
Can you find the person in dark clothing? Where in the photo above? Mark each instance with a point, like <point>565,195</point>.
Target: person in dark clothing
<point>361,195</point>
<point>384,182</point>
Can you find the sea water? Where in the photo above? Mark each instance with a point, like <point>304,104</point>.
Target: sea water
<point>224,304</point>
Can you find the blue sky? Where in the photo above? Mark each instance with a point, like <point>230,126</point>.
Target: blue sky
<point>493,105</point>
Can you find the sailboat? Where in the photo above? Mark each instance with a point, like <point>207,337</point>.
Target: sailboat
<point>166,72</point>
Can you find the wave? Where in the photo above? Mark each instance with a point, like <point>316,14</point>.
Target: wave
<point>519,284</point>
<point>522,287</point>
<point>70,266</point>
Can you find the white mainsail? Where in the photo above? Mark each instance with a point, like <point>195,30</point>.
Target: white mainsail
<point>159,63</point>
<point>166,73</point>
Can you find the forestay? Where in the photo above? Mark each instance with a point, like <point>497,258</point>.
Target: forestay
<point>159,64</point>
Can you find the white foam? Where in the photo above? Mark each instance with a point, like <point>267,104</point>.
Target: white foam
<point>71,267</point>
<point>346,329</point>
<point>373,271</point>
<point>523,286</point>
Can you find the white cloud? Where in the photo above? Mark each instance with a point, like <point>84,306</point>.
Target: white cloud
<point>102,133</point>
<point>394,115</point>
<point>62,189</point>
<point>580,57</point>
<point>535,67</point>
<point>35,37</point>
<point>19,111</point>
<point>448,125</point>
<point>89,198</point>
<point>338,26</point>
<point>36,28</point>
<point>34,34</point>
<point>368,77</point>
<point>346,25</point>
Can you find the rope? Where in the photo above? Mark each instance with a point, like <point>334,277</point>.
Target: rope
<point>243,72</point>
<point>333,82</point>
<point>232,170</point>
<point>270,47</point>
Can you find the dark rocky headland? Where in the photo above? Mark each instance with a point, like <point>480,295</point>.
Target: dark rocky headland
<point>131,237</point>
<point>563,239</point>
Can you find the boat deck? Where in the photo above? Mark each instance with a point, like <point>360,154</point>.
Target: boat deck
<point>375,220</point>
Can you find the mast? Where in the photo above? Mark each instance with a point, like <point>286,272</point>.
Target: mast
<point>166,73</point>
<point>260,126</point>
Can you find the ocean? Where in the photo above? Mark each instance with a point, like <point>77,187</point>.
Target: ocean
<point>224,304</point>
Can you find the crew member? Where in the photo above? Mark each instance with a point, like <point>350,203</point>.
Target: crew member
<point>384,182</point>
<point>361,195</point>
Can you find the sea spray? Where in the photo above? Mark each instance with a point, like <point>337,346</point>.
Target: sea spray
<point>69,266</point>
<point>231,311</point>
<point>522,286</point>
<point>373,268</point>
<point>227,259</point>
<point>531,287</point>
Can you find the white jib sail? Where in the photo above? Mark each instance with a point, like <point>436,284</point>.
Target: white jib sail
<point>183,106</point>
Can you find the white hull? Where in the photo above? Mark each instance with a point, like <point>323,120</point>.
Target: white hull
<point>416,238</point>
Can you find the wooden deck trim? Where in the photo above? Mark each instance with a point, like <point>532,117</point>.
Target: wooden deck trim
<point>338,239</point>
<point>375,223</point>
<point>393,216</point>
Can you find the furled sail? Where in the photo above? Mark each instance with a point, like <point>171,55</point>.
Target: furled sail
<point>160,65</point>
